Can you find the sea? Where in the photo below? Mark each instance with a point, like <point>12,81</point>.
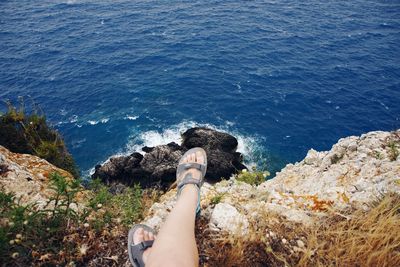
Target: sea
<point>283,76</point>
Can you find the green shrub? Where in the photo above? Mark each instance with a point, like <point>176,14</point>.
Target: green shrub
<point>252,177</point>
<point>125,206</point>
<point>128,204</point>
<point>217,199</point>
<point>29,133</point>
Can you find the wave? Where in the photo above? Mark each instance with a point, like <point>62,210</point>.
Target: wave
<point>94,122</point>
<point>131,118</point>
<point>250,146</point>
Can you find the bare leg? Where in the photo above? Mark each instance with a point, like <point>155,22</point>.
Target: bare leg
<point>175,244</point>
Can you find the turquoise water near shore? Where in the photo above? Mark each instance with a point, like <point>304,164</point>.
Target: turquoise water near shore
<point>282,76</point>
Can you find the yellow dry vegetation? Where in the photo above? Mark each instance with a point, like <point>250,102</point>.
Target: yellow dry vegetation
<point>366,239</point>
<point>356,238</point>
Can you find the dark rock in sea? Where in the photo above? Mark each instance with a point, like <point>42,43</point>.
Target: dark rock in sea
<point>158,165</point>
<point>209,140</point>
<point>161,162</point>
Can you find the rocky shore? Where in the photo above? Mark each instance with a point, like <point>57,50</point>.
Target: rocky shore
<point>158,164</point>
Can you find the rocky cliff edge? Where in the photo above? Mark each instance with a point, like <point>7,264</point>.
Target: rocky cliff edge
<point>352,175</point>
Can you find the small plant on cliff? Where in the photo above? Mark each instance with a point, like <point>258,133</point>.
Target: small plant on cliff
<point>377,155</point>
<point>393,150</point>
<point>336,158</point>
<point>126,207</point>
<point>217,199</point>
<point>254,177</point>
<point>21,132</point>
<point>392,146</point>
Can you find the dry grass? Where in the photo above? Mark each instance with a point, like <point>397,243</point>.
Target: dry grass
<point>369,238</point>
<point>258,249</point>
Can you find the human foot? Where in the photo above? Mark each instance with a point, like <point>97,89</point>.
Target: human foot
<point>191,170</point>
<point>195,157</point>
<point>140,243</point>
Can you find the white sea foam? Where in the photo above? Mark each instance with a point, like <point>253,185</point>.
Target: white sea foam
<point>94,122</point>
<point>229,123</point>
<point>383,105</point>
<point>63,112</point>
<point>249,146</point>
<point>78,143</point>
<point>131,118</point>
<point>73,119</point>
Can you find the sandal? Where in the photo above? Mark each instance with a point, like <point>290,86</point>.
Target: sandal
<point>135,251</point>
<point>188,179</point>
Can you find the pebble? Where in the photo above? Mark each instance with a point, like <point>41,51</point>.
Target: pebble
<point>300,244</point>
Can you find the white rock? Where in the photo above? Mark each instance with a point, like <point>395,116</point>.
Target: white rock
<point>226,217</point>
<point>312,158</point>
<point>300,244</point>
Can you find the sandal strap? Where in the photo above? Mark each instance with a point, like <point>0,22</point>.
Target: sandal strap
<point>138,249</point>
<point>192,165</point>
<point>144,244</point>
<point>188,179</point>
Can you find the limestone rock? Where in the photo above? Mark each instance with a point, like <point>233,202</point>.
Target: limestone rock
<point>355,171</point>
<point>226,217</point>
<point>27,176</point>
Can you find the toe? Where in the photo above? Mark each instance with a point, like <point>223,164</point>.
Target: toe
<point>146,235</point>
<point>151,236</point>
<point>199,157</point>
<point>138,236</point>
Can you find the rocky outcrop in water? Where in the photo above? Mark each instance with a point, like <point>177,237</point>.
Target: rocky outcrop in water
<point>158,164</point>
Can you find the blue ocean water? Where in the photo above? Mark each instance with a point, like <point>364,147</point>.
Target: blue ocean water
<point>283,76</point>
